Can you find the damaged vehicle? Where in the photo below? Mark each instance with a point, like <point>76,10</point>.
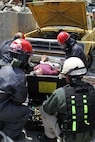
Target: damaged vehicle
<point>53,17</point>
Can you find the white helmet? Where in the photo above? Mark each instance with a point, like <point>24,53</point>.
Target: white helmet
<point>93,10</point>
<point>74,66</point>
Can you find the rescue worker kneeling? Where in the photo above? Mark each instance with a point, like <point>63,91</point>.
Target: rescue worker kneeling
<point>69,111</point>
<point>13,90</point>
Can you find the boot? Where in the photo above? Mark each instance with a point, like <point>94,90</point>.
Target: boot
<point>46,139</point>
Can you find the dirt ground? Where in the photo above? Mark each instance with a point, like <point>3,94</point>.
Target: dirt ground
<point>34,135</point>
<point>33,131</point>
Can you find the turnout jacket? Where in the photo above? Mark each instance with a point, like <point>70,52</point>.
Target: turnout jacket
<point>12,85</point>
<point>74,49</point>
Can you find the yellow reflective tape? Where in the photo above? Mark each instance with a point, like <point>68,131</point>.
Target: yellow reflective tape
<point>72,101</point>
<point>73,110</point>
<point>85,116</point>
<point>73,117</point>
<point>86,122</point>
<point>73,114</point>
<point>74,126</point>
<point>85,105</point>
<point>85,109</point>
<point>85,101</point>
<point>84,96</point>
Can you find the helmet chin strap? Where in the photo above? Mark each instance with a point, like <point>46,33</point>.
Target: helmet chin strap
<point>15,62</point>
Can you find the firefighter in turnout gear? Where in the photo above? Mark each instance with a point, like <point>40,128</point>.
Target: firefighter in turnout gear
<point>71,47</point>
<point>68,114</point>
<point>13,90</point>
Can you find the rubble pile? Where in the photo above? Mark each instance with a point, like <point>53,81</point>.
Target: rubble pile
<point>12,5</point>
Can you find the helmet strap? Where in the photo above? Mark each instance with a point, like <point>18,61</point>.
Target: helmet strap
<point>15,62</point>
<point>76,68</point>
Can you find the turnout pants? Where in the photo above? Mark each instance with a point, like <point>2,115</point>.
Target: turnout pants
<point>52,130</point>
<point>14,118</point>
<point>50,123</point>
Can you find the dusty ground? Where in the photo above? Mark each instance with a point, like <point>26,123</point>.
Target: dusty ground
<point>35,135</point>
<point>34,131</point>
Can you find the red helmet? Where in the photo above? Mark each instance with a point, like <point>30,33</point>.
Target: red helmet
<point>19,35</point>
<point>19,45</point>
<point>62,37</point>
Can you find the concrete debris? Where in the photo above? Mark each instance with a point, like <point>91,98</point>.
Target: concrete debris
<point>20,9</point>
<point>16,8</point>
<point>1,5</point>
<point>12,6</point>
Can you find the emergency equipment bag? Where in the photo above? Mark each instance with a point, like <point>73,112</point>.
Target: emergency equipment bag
<point>80,114</point>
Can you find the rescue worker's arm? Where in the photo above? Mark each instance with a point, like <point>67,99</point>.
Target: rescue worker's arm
<point>17,88</point>
<point>19,94</point>
<point>56,102</point>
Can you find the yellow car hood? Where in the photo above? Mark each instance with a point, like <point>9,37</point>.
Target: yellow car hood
<point>59,13</point>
